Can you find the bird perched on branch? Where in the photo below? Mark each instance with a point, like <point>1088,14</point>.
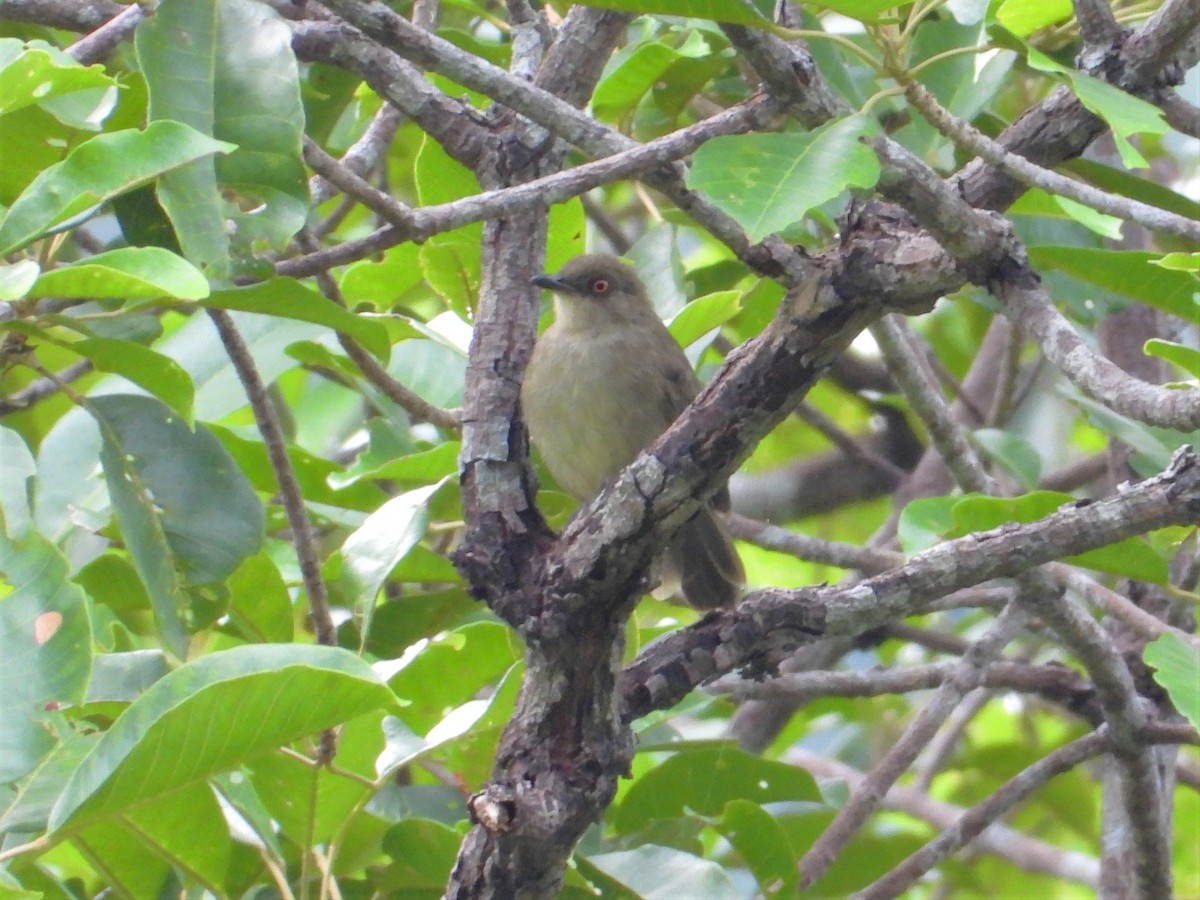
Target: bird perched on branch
<point>604,381</point>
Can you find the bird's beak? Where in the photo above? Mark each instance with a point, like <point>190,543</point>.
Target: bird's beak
<point>549,282</point>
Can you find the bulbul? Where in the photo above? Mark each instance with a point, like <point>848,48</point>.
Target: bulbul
<point>604,381</point>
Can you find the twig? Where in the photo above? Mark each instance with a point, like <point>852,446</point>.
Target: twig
<point>865,796</point>
<point>289,491</point>
<point>976,142</point>
<point>97,45</point>
<point>404,397</point>
<point>974,824</point>
<point>847,443</point>
<point>42,388</point>
<point>802,546</point>
<point>534,194</point>
<point>1117,606</point>
<point>891,334</point>
<point>1000,840</point>
<point>342,177</point>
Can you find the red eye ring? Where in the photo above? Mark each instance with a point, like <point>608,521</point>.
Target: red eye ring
<point>600,286</point>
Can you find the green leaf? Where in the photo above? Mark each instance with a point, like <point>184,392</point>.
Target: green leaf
<point>451,669</point>
<point>28,811</point>
<point>1124,113</point>
<point>19,467</point>
<point>1104,225</point>
<point>769,181</point>
<point>238,81</point>
<point>1013,452</point>
<point>1187,358</point>
<point>132,273</point>
<point>211,715</point>
<point>1126,272</point>
<point>422,853</point>
<point>763,844</point>
<point>376,546</point>
<point>1023,17</point>
<point>450,261</point>
<point>924,522</point>
<point>17,279</point>
<point>1177,665</point>
<point>623,88</point>
<point>37,72</point>
<point>659,873</point>
<point>158,374</point>
<point>261,609</point>
<point>186,512</point>
<point>45,647</point>
<point>704,314</point>
<point>1179,262</point>
<point>289,299</point>
<point>97,170</point>
<point>704,780</point>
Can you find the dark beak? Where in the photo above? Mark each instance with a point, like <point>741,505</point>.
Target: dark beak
<point>549,282</point>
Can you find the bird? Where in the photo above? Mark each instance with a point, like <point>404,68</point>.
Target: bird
<point>606,379</point>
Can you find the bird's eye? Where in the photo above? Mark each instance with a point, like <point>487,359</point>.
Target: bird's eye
<point>600,286</point>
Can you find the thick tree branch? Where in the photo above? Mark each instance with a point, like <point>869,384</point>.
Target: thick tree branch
<point>770,622</point>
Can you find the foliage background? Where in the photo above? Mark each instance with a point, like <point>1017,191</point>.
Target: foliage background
<point>222,347</point>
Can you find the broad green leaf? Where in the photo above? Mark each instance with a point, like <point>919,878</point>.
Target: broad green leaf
<point>211,715</point>
<point>450,261</point>
<point>924,522</point>
<point>704,314</point>
<point>1124,113</point>
<point>45,648</point>
<point>1104,225</point>
<point>314,473</point>
<point>131,273</point>
<point>414,469</point>
<point>1125,272</point>
<point>450,670</point>
<point>185,830</point>
<point>1023,17</point>
<point>763,844</point>
<point>704,780</point>
<point>28,810</point>
<point>97,170</point>
<point>261,609</point>
<point>186,512</point>
<point>659,873</point>
<point>1177,668</point>
<point>123,677</point>
<point>158,374</point>
<point>376,546</point>
<point>769,181</point>
<point>1187,358</point>
<point>18,278</point>
<point>288,298</point>
<point>1013,452</point>
<point>622,88</point>
<point>37,72</point>
<point>239,82</point>
<point>1179,262</point>
<point>313,804</point>
<point>422,854</point>
<point>19,467</point>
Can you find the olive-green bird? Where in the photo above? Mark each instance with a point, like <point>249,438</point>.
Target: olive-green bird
<point>604,381</point>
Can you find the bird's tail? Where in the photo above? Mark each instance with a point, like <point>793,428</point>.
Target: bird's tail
<point>702,558</point>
